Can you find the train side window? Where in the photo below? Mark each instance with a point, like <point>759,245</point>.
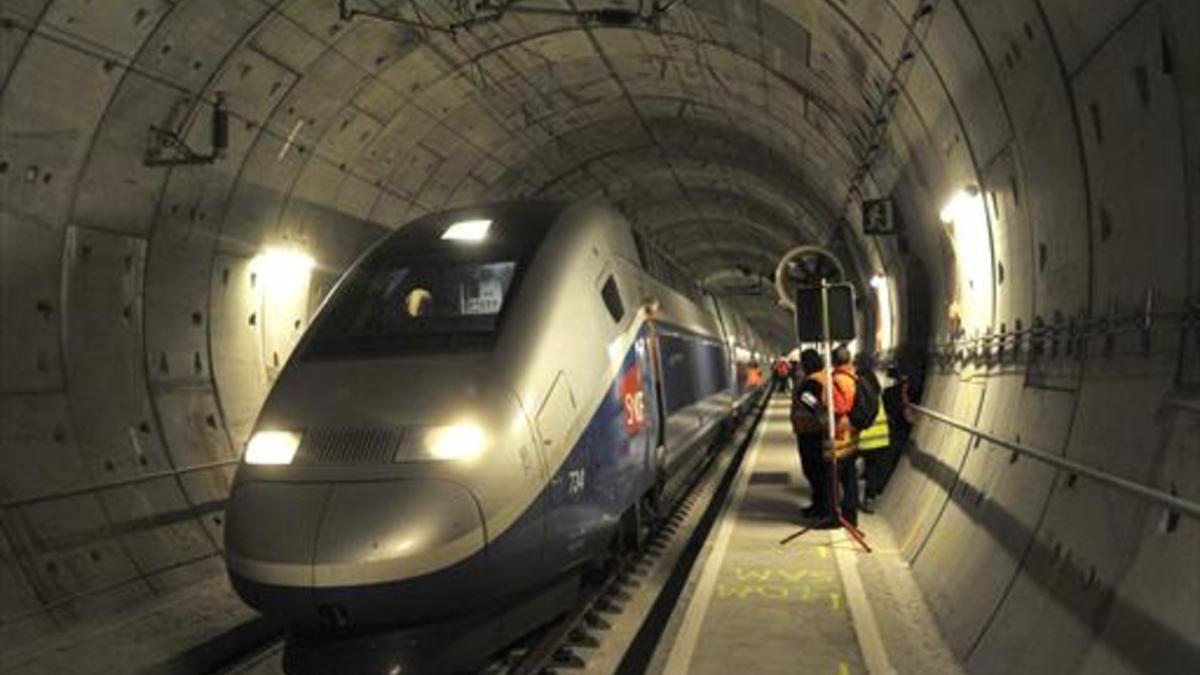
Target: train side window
<point>612,299</point>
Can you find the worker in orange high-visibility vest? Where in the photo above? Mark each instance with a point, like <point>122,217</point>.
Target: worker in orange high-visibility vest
<point>783,373</point>
<point>845,443</point>
<point>754,377</point>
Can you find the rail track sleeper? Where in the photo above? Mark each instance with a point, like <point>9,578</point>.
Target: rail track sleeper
<point>581,638</point>
<point>617,595</point>
<point>595,621</point>
<point>566,657</point>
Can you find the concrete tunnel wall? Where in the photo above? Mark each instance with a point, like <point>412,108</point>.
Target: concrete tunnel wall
<point>141,323</point>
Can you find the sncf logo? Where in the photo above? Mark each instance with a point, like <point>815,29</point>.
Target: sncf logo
<point>633,399</point>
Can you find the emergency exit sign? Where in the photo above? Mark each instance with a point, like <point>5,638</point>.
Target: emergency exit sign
<point>879,217</point>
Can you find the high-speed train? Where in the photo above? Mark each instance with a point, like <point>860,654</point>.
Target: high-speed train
<point>489,400</point>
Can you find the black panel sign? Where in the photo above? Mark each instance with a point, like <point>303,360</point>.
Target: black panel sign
<point>879,217</point>
<point>809,317</point>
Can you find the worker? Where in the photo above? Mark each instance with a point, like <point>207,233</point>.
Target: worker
<point>809,423</point>
<point>874,445</point>
<point>753,376</point>
<point>842,450</point>
<point>782,374</point>
<point>900,417</point>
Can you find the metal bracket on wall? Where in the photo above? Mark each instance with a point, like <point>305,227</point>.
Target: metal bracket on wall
<point>1024,344</point>
<point>168,148</point>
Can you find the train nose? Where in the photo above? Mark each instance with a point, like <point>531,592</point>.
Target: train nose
<point>378,532</point>
<point>362,552</point>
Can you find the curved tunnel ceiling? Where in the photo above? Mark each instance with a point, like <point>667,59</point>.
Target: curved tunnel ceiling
<point>142,326</point>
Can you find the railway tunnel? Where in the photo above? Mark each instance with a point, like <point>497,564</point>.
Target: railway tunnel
<point>184,181</point>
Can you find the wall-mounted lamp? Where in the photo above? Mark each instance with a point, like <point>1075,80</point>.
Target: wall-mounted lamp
<point>962,205</point>
<point>965,215</point>
<point>884,331</point>
<point>276,263</point>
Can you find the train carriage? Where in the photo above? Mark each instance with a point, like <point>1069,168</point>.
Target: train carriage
<point>490,400</point>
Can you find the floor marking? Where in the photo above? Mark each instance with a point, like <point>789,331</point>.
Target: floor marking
<point>680,658</point>
<point>870,643</point>
<point>843,668</point>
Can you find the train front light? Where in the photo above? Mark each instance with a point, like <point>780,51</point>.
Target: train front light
<point>455,442</point>
<point>272,447</point>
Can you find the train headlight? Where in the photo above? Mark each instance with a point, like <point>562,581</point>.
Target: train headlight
<point>272,447</point>
<point>455,442</point>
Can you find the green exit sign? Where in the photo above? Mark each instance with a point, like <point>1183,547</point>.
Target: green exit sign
<point>879,217</point>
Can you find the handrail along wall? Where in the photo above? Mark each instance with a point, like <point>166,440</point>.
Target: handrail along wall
<point>1147,493</point>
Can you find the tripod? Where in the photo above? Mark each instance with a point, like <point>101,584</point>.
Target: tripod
<point>831,421</point>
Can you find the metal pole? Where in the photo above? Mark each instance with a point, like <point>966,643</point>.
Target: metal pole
<point>835,499</point>
<point>830,417</point>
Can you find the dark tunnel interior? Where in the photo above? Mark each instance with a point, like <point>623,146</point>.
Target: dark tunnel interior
<point>1042,156</point>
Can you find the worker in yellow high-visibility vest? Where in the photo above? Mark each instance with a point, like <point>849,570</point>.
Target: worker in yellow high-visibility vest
<point>873,446</point>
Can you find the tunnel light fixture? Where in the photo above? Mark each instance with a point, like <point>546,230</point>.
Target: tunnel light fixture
<point>462,442</point>
<point>884,330</point>
<point>272,447</point>
<point>284,263</point>
<point>963,205</point>
<point>966,219</point>
<point>468,230</point>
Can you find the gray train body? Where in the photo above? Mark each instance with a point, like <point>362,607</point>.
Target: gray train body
<point>469,421</point>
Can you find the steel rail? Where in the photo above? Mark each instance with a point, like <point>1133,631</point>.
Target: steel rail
<point>1172,502</point>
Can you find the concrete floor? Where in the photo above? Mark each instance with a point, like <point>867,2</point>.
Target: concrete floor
<point>815,605</point>
<point>137,642</point>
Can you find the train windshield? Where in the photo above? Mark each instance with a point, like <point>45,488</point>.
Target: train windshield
<point>417,306</point>
<point>420,293</point>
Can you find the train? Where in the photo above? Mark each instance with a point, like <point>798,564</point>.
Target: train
<point>489,401</point>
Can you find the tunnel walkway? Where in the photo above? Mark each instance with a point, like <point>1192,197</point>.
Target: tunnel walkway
<point>816,605</point>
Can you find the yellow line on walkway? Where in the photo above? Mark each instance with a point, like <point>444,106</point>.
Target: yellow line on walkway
<point>680,659</point>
